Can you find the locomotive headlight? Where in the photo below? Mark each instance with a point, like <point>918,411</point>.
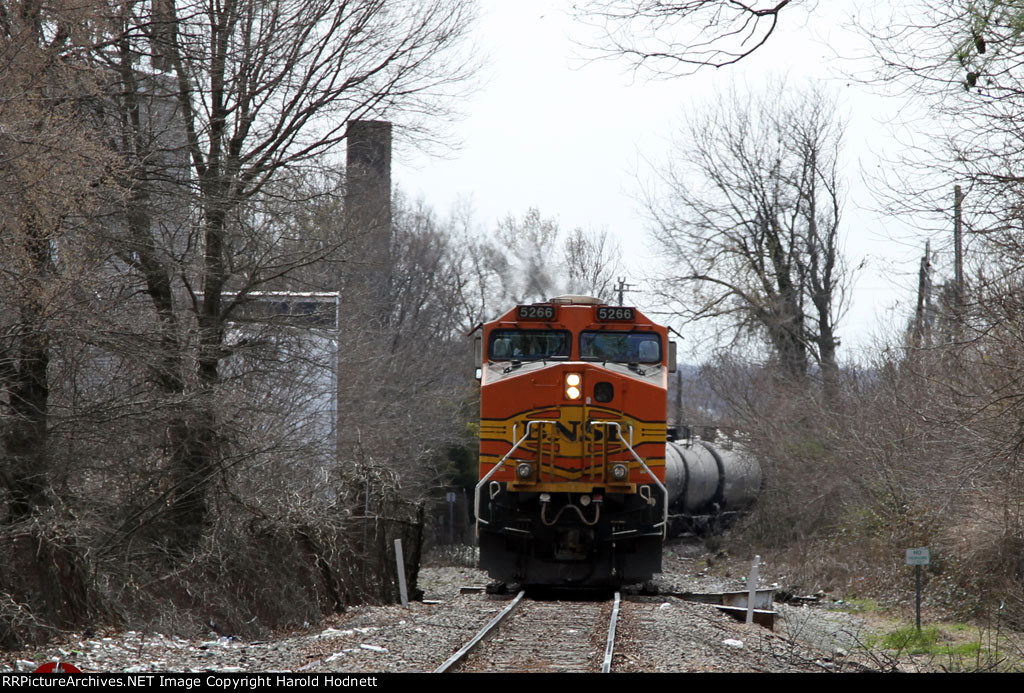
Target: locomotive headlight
<point>573,381</point>
<point>524,470</point>
<point>619,472</point>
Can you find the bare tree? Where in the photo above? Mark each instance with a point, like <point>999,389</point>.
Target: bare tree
<point>402,379</point>
<point>959,64</point>
<point>53,172</point>
<point>749,220</point>
<point>678,38</point>
<point>952,389</point>
<point>254,88</point>
<point>55,190</point>
<point>525,260</point>
<point>592,261</point>
<point>528,259</point>
<point>148,153</point>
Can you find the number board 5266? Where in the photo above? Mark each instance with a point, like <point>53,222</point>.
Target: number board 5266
<point>536,312</point>
<point>615,314</point>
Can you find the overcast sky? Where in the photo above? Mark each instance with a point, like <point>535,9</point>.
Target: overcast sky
<point>573,138</point>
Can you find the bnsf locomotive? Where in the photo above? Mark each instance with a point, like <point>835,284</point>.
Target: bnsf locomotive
<point>572,444</point>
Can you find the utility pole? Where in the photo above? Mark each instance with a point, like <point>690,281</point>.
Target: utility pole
<point>623,288</point>
<point>958,199</point>
<point>924,286</point>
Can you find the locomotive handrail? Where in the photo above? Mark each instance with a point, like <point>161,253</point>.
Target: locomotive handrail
<point>664,491</point>
<point>480,485</point>
<point>590,453</point>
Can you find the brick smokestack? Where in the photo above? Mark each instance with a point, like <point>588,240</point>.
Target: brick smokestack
<point>164,30</point>
<point>365,282</point>
<point>368,179</point>
<point>367,277</point>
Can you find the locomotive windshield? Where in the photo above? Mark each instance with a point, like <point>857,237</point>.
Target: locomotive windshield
<point>528,345</point>
<point>621,347</point>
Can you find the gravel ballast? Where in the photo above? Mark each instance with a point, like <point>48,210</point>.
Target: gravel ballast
<point>655,634</point>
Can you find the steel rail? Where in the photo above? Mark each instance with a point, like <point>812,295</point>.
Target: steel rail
<point>609,648</point>
<point>464,651</point>
<point>457,659</point>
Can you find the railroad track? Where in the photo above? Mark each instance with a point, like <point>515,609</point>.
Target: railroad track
<point>542,636</point>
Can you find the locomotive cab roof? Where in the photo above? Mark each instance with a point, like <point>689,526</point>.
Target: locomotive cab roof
<point>576,300</point>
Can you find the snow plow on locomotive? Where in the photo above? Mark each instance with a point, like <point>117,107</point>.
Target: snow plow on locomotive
<point>574,489</point>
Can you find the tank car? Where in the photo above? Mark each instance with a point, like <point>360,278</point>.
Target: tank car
<point>572,444</point>
<point>708,485</point>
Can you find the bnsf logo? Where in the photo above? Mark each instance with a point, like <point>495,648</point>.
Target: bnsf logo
<point>575,432</point>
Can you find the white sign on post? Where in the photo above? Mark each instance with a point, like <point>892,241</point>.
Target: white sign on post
<point>918,556</point>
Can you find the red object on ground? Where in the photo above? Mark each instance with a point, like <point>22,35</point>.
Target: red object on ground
<point>57,668</point>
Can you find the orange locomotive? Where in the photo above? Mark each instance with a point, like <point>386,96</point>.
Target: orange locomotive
<point>572,444</point>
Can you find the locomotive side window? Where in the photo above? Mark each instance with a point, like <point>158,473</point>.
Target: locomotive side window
<point>528,345</point>
<point>621,347</point>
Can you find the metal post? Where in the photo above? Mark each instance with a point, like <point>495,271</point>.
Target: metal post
<point>401,572</point>
<point>451,517</point>
<point>917,572</point>
<point>752,585</point>
<point>917,558</point>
